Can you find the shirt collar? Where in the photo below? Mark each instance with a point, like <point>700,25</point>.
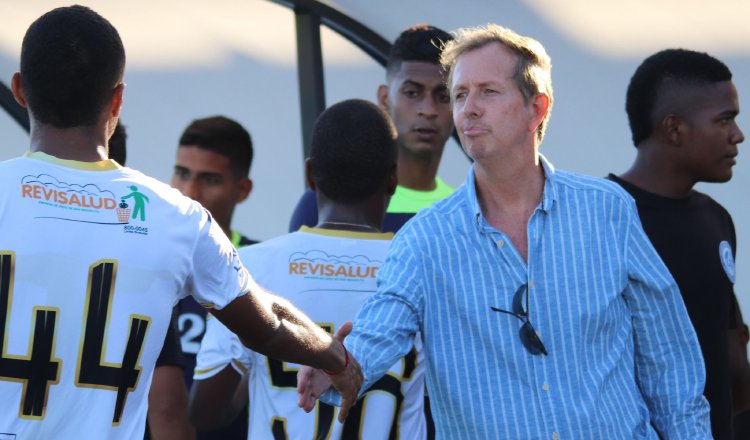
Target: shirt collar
<point>102,165</point>
<point>549,194</point>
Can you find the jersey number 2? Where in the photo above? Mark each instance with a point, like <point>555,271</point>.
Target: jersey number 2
<point>38,370</point>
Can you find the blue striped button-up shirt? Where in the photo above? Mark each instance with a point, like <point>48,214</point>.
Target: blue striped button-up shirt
<point>622,352</point>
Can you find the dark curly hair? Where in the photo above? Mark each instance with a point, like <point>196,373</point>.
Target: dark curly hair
<point>671,67</point>
<point>71,60</point>
<point>223,136</point>
<point>353,150</point>
<point>420,42</point>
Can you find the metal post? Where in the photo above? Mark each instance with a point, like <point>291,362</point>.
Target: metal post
<point>309,72</point>
<point>8,102</point>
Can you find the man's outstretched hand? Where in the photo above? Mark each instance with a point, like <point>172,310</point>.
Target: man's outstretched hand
<point>312,383</point>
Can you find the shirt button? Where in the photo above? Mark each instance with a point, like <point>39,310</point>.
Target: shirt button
<point>555,436</point>
<point>500,243</point>
<point>531,284</point>
<point>545,387</point>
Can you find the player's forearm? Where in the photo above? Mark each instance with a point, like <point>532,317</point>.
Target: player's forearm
<point>212,404</point>
<point>272,326</point>
<point>298,339</point>
<point>170,427</point>
<point>167,410</point>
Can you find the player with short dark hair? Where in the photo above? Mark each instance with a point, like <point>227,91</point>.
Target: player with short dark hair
<point>347,164</point>
<point>417,101</point>
<point>93,256</point>
<point>214,156</point>
<point>659,77</point>
<point>55,63</point>
<point>213,159</point>
<point>328,271</point>
<point>682,106</point>
<point>224,136</point>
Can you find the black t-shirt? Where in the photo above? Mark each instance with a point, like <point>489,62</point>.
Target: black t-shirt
<point>171,352</point>
<point>695,238</point>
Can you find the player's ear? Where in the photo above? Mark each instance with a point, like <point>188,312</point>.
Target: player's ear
<point>245,187</point>
<point>382,95</point>
<point>308,175</point>
<point>17,87</point>
<point>672,127</point>
<point>117,97</point>
<point>391,182</point>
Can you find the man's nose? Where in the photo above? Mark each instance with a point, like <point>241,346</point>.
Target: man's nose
<point>471,105</point>
<point>738,136</point>
<point>428,107</point>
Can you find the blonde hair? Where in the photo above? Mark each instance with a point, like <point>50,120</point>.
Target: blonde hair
<point>533,73</point>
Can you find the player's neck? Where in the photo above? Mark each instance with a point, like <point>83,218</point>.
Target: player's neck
<point>417,172</point>
<point>658,175</point>
<point>351,217</point>
<point>85,144</point>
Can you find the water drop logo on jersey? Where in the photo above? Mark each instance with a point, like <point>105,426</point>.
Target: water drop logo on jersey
<point>727,259</point>
<point>316,264</point>
<point>59,200</point>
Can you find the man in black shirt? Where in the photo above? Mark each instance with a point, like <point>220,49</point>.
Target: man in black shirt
<point>681,107</point>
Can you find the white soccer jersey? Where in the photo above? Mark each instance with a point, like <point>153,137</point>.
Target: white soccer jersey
<point>93,257</point>
<point>328,275</point>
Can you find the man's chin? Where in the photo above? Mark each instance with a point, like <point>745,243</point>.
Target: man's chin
<point>421,150</point>
<point>719,177</point>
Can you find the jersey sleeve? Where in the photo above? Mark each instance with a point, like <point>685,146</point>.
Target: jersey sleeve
<point>218,276</point>
<point>219,348</point>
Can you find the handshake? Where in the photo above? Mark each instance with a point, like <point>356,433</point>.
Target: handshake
<point>312,382</point>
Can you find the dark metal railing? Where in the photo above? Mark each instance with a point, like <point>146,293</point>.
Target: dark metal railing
<point>9,104</point>
<point>309,15</point>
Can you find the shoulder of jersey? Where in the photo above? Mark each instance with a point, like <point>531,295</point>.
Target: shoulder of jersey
<point>163,191</point>
<point>264,247</point>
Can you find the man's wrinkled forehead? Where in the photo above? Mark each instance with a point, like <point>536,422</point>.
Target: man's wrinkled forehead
<point>505,60</point>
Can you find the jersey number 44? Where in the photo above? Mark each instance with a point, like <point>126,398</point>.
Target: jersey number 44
<point>39,369</point>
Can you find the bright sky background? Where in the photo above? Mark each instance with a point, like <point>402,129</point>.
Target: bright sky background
<point>189,33</point>
<point>179,34</point>
<point>627,28</point>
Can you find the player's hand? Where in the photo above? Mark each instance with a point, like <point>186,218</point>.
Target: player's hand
<point>349,381</point>
<point>311,383</point>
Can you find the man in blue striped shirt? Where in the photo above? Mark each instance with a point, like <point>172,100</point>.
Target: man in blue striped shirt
<point>545,311</point>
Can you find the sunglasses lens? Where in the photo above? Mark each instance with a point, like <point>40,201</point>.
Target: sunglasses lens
<point>518,308</point>
<point>527,334</point>
<point>530,340</point>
